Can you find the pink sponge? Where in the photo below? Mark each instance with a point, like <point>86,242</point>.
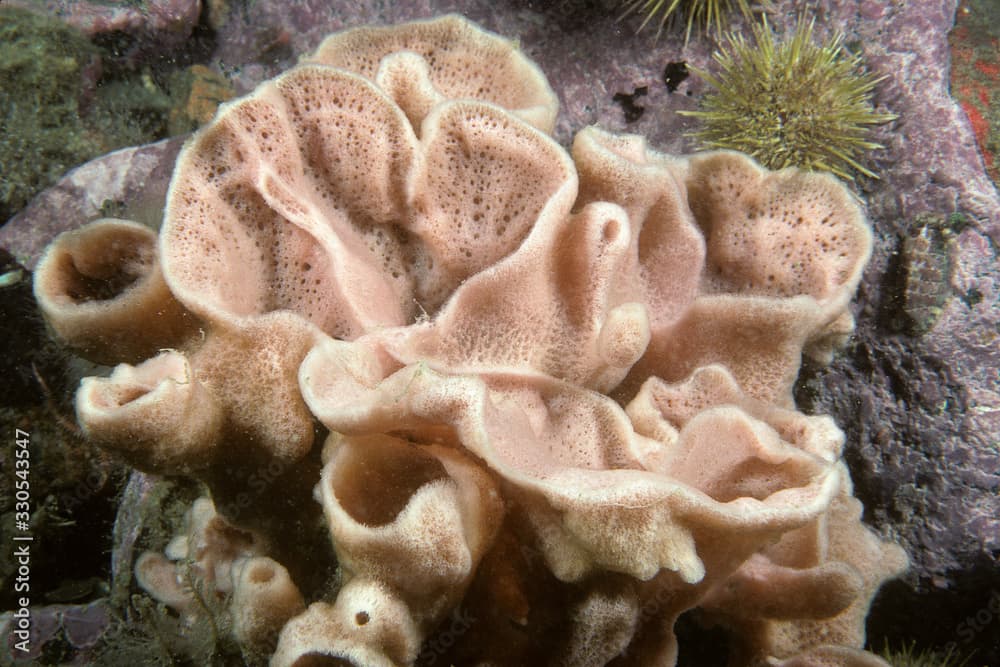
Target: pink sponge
<point>555,387</point>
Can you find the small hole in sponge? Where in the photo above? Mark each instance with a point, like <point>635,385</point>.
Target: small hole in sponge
<point>261,574</point>
<point>611,230</point>
<point>361,618</point>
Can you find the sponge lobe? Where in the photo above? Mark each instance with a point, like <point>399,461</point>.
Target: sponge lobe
<point>485,183</point>
<point>157,414</point>
<point>296,186</point>
<point>463,62</point>
<point>776,234</point>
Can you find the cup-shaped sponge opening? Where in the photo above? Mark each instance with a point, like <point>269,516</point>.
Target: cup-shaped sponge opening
<point>412,516</point>
<point>264,599</point>
<point>157,415</point>
<point>395,468</point>
<point>101,290</point>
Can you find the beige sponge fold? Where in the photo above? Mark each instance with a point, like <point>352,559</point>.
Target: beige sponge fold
<point>426,62</point>
<point>156,414</point>
<point>264,599</point>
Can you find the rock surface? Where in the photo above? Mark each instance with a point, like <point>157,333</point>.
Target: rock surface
<point>920,401</point>
<point>128,183</point>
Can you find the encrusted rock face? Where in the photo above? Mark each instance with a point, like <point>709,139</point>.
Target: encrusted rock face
<point>558,387</point>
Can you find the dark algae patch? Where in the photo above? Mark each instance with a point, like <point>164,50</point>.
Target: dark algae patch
<point>674,74</point>
<point>633,111</point>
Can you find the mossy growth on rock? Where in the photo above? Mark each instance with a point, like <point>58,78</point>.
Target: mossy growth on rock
<point>61,105</point>
<point>791,102</point>
<point>40,83</point>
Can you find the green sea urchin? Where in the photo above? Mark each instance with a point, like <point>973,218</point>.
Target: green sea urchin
<point>790,103</point>
<point>704,13</point>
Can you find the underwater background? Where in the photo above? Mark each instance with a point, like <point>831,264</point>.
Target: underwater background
<point>118,87</point>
